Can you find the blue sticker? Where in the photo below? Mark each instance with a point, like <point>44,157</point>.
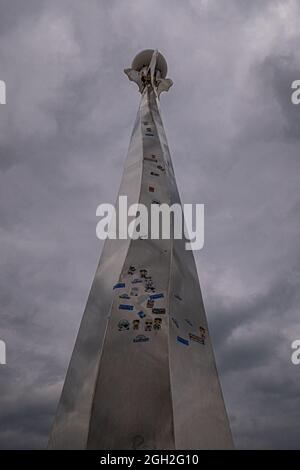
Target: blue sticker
<point>182,340</point>
<point>136,281</point>
<point>140,339</point>
<point>156,296</point>
<point>120,285</point>
<point>125,307</point>
<point>141,314</point>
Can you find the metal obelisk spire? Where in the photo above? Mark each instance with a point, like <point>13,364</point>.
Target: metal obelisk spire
<point>143,374</point>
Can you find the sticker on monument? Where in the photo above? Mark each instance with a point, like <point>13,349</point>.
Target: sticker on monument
<point>148,325</point>
<point>188,322</point>
<point>175,322</point>
<point>150,304</point>
<point>149,289</point>
<point>123,325</point>
<point>143,272</point>
<point>136,281</point>
<point>140,339</point>
<point>156,296</point>
<point>125,307</point>
<point>124,296</point>
<point>141,314</point>
<point>120,285</point>
<point>202,332</point>
<point>157,323</point>
<point>177,297</point>
<point>182,340</point>
<point>196,338</point>
<point>131,270</point>
<point>136,324</point>
<point>149,159</point>
<point>159,311</point>
<point>161,168</point>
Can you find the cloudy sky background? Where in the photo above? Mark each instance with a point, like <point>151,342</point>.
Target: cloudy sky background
<point>234,137</point>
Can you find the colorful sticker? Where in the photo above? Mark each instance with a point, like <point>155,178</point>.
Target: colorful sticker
<point>157,323</point>
<point>159,311</point>
<point>175,322</point>
<point>150,304</point>
<point>150,289</point>
<point>120,285</point>
<point>148,325</point>
<point>156,296</point>
<point>125,307</point>
<point>123,325</point>
<point>202,332</point>
<point>140,339</point>
<point>143,272</point>
<point>196,338</point>
<point>141,314</point>
<point>149,284</point>
<point>131,270</point>
<point>151,189</point>
<point>182,340</point>
<point>124,296</point>
<point>136,324</point>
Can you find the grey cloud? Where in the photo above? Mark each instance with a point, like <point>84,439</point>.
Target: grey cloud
<point>234,138</point>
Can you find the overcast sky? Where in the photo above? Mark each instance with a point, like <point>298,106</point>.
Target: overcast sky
<point>234,137</point>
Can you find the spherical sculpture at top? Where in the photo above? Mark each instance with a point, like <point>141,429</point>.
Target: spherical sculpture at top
<point>143,59</point>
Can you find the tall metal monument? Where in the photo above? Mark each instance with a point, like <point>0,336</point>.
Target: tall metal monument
<point>143,374</point>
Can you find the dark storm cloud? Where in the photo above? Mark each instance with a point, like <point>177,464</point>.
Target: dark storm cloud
<point>63,139</point>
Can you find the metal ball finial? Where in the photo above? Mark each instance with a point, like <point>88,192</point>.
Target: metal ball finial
<point>149,69</point>
<point>143,59</point>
